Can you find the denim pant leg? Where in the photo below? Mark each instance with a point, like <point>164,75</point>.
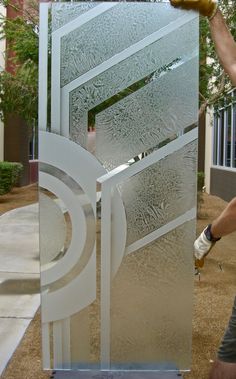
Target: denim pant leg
<point>227,350</point>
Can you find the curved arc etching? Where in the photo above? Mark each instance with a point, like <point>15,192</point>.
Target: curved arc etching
<point>53,230</point>
<point>50,152</point>
<point>77,246</point>
<point>82,288</point>
<point>61,180</point>
<point>70,180</point>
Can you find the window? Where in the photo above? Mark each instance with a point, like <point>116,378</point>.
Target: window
<point>224,134</point>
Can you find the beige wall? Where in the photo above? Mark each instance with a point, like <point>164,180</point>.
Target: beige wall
<point>2,63</point>
<point>208,148</point>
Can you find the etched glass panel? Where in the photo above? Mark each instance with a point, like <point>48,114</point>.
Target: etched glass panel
<point>158,337</point>
<point>145,118</point>
<point>163,192</point>
<point>118,218</point>
<point>63,13</point>
<point>53,230</point>
<point>112,32</point>
<point>129,75</point>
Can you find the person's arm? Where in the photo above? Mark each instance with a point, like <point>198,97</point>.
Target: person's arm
<point>223,39</point>
<point>224,44</point>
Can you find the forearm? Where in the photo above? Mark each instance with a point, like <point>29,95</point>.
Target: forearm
<point>224,44</point>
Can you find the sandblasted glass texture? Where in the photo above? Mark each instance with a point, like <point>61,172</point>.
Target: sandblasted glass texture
<point>160,193</point>
<point>53,229</point>
<point>117,282</point>
<point>161,274</point>
<point>112,32</point>
<point>115,82</point>
<point>63,13</point>
<point>147,117</point>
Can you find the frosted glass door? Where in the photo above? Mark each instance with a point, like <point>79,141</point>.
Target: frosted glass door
<point>118,184</point>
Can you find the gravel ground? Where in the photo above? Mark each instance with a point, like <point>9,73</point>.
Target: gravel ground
<point>214,291</point>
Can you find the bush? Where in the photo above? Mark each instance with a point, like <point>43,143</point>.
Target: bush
<point>9,175</point>
<point>200,200</point>
<point>200,180</point>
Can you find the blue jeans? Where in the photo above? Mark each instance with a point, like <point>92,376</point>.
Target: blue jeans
<point>227,350</point>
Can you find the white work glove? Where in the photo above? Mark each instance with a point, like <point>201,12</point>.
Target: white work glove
<point>206,8</point>
<point>204,243</point>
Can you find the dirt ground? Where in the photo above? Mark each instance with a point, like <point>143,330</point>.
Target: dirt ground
<point>214,292</point>
<point>18,197</point>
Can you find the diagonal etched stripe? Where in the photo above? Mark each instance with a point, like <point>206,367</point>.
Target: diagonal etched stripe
<point>123,172</point>
<point>83,19</point>
<point>123,55</point>
<point>126,53</point>
<point>187,216</point>
<point>56,56</point>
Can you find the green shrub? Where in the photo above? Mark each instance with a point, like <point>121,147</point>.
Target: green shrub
<point>9,175</point>
<point>200,180</point>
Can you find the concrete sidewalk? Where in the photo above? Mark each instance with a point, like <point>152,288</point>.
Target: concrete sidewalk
<point>19,276</point>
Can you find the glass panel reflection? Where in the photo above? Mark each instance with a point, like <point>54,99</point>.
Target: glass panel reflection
<point>119,167</point>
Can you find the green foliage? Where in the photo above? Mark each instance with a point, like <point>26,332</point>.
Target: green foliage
<point>214,83</point>
<point>19,89</point>
<point>200,199</point>
<point>200,180</point>
<point>19,92</point>
<point>9,175</point>
<point>22,38</point>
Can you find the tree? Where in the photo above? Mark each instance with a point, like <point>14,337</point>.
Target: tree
<point>214,82</point>
<point>19,84</point>
<point>19,89</point>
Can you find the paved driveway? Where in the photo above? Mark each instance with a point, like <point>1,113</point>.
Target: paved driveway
<point>19,276</point>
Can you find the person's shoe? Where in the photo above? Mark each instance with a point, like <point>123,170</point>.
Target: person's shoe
<point>204,243</point>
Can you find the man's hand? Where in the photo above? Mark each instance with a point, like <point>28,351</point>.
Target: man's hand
<point>202,246</point>
<point>204,243</point>
<point>205,7</point>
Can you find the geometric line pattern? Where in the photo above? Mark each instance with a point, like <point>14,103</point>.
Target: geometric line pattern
<point>108,182</point>
<point>112,62</point>
<point>145,101</point>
